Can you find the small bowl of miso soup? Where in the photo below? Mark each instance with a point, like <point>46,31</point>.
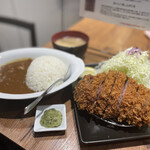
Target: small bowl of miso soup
<point>73,42</point>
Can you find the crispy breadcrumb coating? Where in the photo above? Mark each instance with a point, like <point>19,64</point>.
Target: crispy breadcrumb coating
<point>114,96</point>
<point>128,102</point>
<point>104,93</point>
<point>86,91</point>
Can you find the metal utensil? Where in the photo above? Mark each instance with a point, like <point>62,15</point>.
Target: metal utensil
<point>36,101</point>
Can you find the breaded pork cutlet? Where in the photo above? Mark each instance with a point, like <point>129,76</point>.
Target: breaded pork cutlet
<point>82,91</point>
<point>128,101</point>
<point>146,112</point>
<point>115,95</point>
<point>104,92</point>
<point>96,85</point>
<point>85,92</point>
<point>135,113</point>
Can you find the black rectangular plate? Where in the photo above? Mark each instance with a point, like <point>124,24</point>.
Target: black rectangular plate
<point>92,130</point>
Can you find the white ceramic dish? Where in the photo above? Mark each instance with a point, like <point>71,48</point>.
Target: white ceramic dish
<point>77,67</point>
<point>39,113</point>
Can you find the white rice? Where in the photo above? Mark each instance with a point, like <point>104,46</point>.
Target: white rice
<point>43,71</point>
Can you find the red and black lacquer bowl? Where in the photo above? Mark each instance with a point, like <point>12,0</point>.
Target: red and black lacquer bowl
<point>79,51</point>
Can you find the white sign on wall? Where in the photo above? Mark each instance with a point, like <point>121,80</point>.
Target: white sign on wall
<point>130,13</point>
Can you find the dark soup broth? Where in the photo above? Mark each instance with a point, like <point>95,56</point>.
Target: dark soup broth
<point>12,77</point>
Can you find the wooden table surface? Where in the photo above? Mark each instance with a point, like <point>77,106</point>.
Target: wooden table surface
<point>106,40</point>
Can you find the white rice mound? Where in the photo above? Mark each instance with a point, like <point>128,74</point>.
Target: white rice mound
<point>43,71</point>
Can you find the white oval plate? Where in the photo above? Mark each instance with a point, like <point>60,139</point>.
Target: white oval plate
<point>77,67</point>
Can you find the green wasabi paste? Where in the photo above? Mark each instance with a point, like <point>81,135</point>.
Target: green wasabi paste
<point>51,118</point>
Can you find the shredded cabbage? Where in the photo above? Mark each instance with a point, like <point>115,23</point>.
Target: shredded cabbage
<point>135,67</point>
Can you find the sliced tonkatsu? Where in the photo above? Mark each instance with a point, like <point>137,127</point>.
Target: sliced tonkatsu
<point>104,92</point>
<point>114,95</point>
<point>128,100</point>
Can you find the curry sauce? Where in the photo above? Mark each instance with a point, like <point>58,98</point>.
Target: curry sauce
<point>13,75</point>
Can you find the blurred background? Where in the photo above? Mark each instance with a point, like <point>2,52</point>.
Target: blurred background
<point>48,17</point>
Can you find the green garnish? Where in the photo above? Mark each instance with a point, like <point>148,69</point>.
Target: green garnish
<point>51,118</point>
